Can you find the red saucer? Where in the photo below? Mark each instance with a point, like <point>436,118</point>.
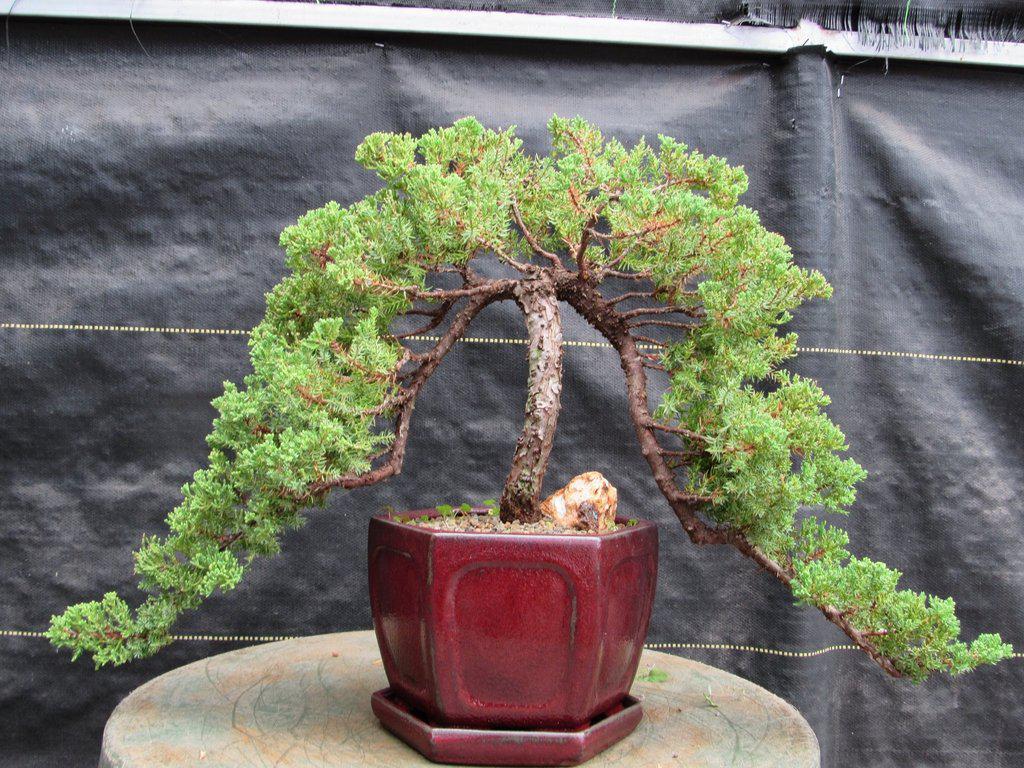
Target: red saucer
<point>479,746</point>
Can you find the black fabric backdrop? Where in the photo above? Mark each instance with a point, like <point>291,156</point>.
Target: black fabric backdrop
<point>148,190</point>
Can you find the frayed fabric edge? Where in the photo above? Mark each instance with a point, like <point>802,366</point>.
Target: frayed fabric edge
<point>898,24</point>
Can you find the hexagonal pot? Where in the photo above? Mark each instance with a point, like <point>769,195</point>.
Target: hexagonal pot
<point>510,631</point>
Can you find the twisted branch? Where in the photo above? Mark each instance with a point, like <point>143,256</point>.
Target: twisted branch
<point>481,295</point>
<point>610,323</point>
<point>531,239</point>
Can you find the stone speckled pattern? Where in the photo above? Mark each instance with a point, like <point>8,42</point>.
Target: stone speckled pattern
<point>306,702</point>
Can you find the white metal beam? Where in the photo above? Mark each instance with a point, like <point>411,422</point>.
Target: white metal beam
<point>383,19</point>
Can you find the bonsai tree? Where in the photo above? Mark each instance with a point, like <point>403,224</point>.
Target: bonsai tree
<point>651,247</point>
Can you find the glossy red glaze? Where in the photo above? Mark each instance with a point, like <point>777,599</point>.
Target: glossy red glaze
<point>473,746</point>
<point>520,631</point>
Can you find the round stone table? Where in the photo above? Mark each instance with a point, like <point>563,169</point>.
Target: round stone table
<point>306,702</point>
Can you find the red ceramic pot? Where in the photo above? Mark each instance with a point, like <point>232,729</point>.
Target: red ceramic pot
<point>523,631</point>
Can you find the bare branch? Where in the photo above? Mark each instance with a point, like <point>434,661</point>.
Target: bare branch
<point>833,614</point>
<point>580,255</point>
<point>633,295</point>
<point>663,324</point>
<point>669,310</point>
<point>481,295</point>
<point>533,241</point>
<point>650,423</point>
<point>599,313</point>
<point>642,275</point>
<point>225,541</point>
<point>518,266</point>
<point>437,317</point>
<point>656,226</point>
<point>673,182</point>
<point>434,294</point>
<point>652,360</point>
<point>649,340</point>
<point>614,263</point>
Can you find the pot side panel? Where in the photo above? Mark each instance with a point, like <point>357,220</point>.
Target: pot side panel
<point>396,584</point>
<point>627,612</point>
<point>515,636</point>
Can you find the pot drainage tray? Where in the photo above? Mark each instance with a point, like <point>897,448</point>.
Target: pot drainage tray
<point>479,746</point>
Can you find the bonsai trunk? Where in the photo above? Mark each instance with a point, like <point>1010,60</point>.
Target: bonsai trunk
<point>520,498</point>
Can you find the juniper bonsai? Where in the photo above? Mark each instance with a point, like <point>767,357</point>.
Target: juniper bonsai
<point>651,247</point>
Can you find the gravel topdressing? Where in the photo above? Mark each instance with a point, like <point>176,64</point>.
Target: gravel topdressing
<point>471,523</point>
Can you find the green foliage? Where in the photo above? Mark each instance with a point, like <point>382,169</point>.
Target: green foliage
<point>920,631</point>
<point>323,372</point>
<point>448,510</point>
<point>325,367</point>
<point>652,675</point>
<point>710,701</point>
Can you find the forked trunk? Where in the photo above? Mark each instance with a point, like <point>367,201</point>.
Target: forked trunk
<point>520,499</point>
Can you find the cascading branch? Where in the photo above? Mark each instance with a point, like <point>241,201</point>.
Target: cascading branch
<point>651,247</point>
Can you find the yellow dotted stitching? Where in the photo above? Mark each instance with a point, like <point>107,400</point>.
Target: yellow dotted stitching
<point>236,638</point>
<point>208,638</point>
<point>123,329</point>
<point>649,646</point>
<point>914,355</point>
<point>748,649</point>
<point>497,340</point>
<point>807,350</point>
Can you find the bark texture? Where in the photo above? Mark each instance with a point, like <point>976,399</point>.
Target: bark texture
<point>613,325</point>
<point>539,303</point>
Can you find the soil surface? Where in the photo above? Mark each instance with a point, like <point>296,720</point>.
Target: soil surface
<point>470,523</point>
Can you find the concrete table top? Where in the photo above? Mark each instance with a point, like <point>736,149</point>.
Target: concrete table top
<point>306,702</point>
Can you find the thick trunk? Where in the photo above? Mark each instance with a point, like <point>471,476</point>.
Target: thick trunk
<point>520,499</point>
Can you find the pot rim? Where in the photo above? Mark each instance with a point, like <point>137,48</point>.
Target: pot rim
<point>389,519</point>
